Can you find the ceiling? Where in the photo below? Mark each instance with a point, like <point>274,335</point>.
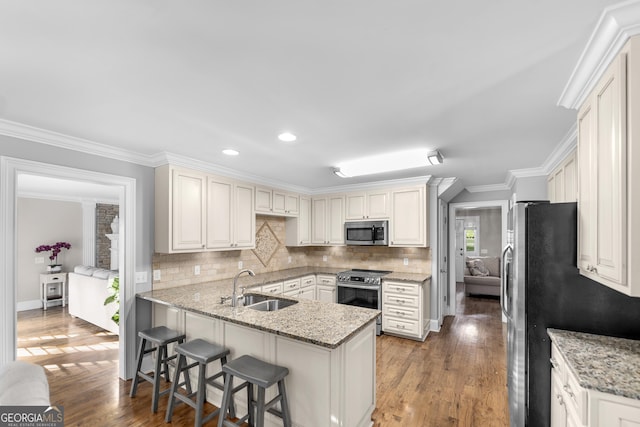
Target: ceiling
<point>479,81</point>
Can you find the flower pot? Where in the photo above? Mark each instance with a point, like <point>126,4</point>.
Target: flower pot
<point>56,268</point>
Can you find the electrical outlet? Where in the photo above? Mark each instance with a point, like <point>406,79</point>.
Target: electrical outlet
<point>240,264</point>
<point>405,261</point>
<point>39,260</point>
<point>196,296</point>
<point>324,258</point>
<point>289,260</point>
<point>196,270</point>
<point>141,277</point>
<point>157,275</point>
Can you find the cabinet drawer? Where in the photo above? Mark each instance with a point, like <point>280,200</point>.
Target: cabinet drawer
<point>576,396</point>
<point>400,326</point>
<point>307,281</point>
<point>408,313</point>
<point>274,288</point>
<point>326,280</point>
<point>401,288</point>
<point>290,285</point>
<point>401,300</point>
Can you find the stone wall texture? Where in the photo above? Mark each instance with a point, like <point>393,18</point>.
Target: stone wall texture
<point>104,216</point>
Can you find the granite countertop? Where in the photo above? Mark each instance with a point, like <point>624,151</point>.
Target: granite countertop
<point>408,277</point>
<point>321,323</point>
<point>606,364</point>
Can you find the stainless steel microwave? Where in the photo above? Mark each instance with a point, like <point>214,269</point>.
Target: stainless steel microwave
<point>367,233</point>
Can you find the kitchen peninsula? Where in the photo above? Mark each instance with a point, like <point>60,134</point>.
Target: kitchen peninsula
<point>329,348</point>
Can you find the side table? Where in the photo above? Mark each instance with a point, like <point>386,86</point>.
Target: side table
<point>53,288</point>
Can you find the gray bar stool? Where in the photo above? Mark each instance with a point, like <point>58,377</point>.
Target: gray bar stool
<point>159,337</point>
<point>262,374</point>
<point>203,353</point>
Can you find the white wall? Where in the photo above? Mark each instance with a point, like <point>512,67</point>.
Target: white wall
<point>532,188</point>
<point>490,228</point>
<point>44,222</point>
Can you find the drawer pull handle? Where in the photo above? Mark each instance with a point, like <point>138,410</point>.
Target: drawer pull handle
<point>400,326</point>
<point>273,291</point>
<point>400,301</point>
<point>560,399</point>
<point>554,363</point>
<point>400,313</point>
<point>400,289</point>
<point>568,390</point>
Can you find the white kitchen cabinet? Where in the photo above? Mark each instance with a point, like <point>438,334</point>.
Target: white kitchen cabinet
<point>326,288</point>
<point>562,183</point>
<point>327,220</point>
<point>273,288</point>
<point>230,214</point>
<point>180,210</point>
<point>609,178</point>
<point>196,212</point>
<point>298,230</point>
<point>270,201</point>
<point>286,204</point>
<point>367,205</point>
<point>291,287</point>
<point>572,405</point>
<point>408,224</point>
<point>406,308</point>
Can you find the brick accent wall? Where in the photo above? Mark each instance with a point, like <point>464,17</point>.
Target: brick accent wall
<point>104,216</point>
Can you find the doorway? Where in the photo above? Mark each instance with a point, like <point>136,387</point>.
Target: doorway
<point>10,169</point>
<point>466,230</point>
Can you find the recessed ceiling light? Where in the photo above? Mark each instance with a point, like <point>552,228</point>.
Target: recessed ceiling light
<point>230,152</point>
<point>287,137</point>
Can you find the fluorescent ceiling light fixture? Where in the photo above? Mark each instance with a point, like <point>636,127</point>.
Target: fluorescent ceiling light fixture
<point>388,162</point>
<point>230,152</point>
<point>341,174</point>
<point>287,137</point>
<point>435,158</point>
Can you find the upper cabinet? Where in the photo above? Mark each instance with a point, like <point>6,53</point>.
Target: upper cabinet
<point>327,220</point>
<point>609,175</point>
<point>562,183</point>
<point>298,229</point>
<point>368,205</point>
<point>196,212</point>
<point>275,202</point>
<point>408,224</point>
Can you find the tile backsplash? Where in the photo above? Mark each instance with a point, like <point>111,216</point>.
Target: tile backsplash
<point>179,269</point>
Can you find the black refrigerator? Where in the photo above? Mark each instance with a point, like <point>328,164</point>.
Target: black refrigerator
<point>542,289</point>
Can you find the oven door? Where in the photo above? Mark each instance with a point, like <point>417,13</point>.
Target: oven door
<point>359,295</point>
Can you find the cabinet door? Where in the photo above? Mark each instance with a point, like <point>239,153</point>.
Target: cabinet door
<point>319,221</point>
<point>378,205</point>
<point>219,214</point>
<point>570,184</point>
<point>558,406</point>
<point>326,293</point>
<point>279,202</point>
<point>355,206</point>
<point>616,414</point>
<point>188,210</point>
<point>610,101</point>
<point>308,293</point>
<point>244,217</point>
<point>264,200</point>
<point>292,204</point>
<point>335,224</point>
<point>586,189</point>
<point>408,221</point>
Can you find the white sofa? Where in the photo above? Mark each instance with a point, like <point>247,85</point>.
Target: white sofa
<point>23,384</point>
<point>88,288</point>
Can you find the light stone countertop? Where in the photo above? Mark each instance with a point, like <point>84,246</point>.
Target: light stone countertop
<point>408,277</point>
<point>602,363</point>
<point>321,323</point>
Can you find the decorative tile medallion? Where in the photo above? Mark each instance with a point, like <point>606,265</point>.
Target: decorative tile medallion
<point>266,244</point>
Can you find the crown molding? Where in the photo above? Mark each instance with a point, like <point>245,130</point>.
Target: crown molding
<point>562,150</point>
<point>419,180</point>
<point>487,188</point>
<point>616,25</point>
<point>43,136</point>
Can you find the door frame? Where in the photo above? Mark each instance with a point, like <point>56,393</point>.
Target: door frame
<point>10,168</point>
<point>504,205</point>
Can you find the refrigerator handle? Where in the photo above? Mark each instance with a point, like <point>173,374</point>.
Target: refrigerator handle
<point>505,282</point>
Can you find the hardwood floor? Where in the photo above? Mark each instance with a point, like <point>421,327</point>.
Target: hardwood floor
<point>457,377</point>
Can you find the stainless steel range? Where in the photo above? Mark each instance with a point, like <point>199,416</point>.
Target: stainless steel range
<point>362,288</point>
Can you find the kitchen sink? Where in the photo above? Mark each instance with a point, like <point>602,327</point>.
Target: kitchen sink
<point>250,299</point>
<point>270,304</point>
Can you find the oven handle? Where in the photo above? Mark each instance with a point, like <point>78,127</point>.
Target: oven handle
<point>349,285</point>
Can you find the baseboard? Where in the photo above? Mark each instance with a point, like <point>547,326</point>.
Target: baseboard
<point>434,326</point>
<point>28,305</point>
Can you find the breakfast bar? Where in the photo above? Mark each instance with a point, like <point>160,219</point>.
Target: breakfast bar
<point>328,348</point>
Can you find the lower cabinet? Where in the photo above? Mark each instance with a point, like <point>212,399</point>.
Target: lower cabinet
<point>326,288</point>
<point>572,405</point>
<point>406,308</point>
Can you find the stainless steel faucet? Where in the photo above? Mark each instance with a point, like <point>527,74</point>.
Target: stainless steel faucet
<point>234,296</point>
